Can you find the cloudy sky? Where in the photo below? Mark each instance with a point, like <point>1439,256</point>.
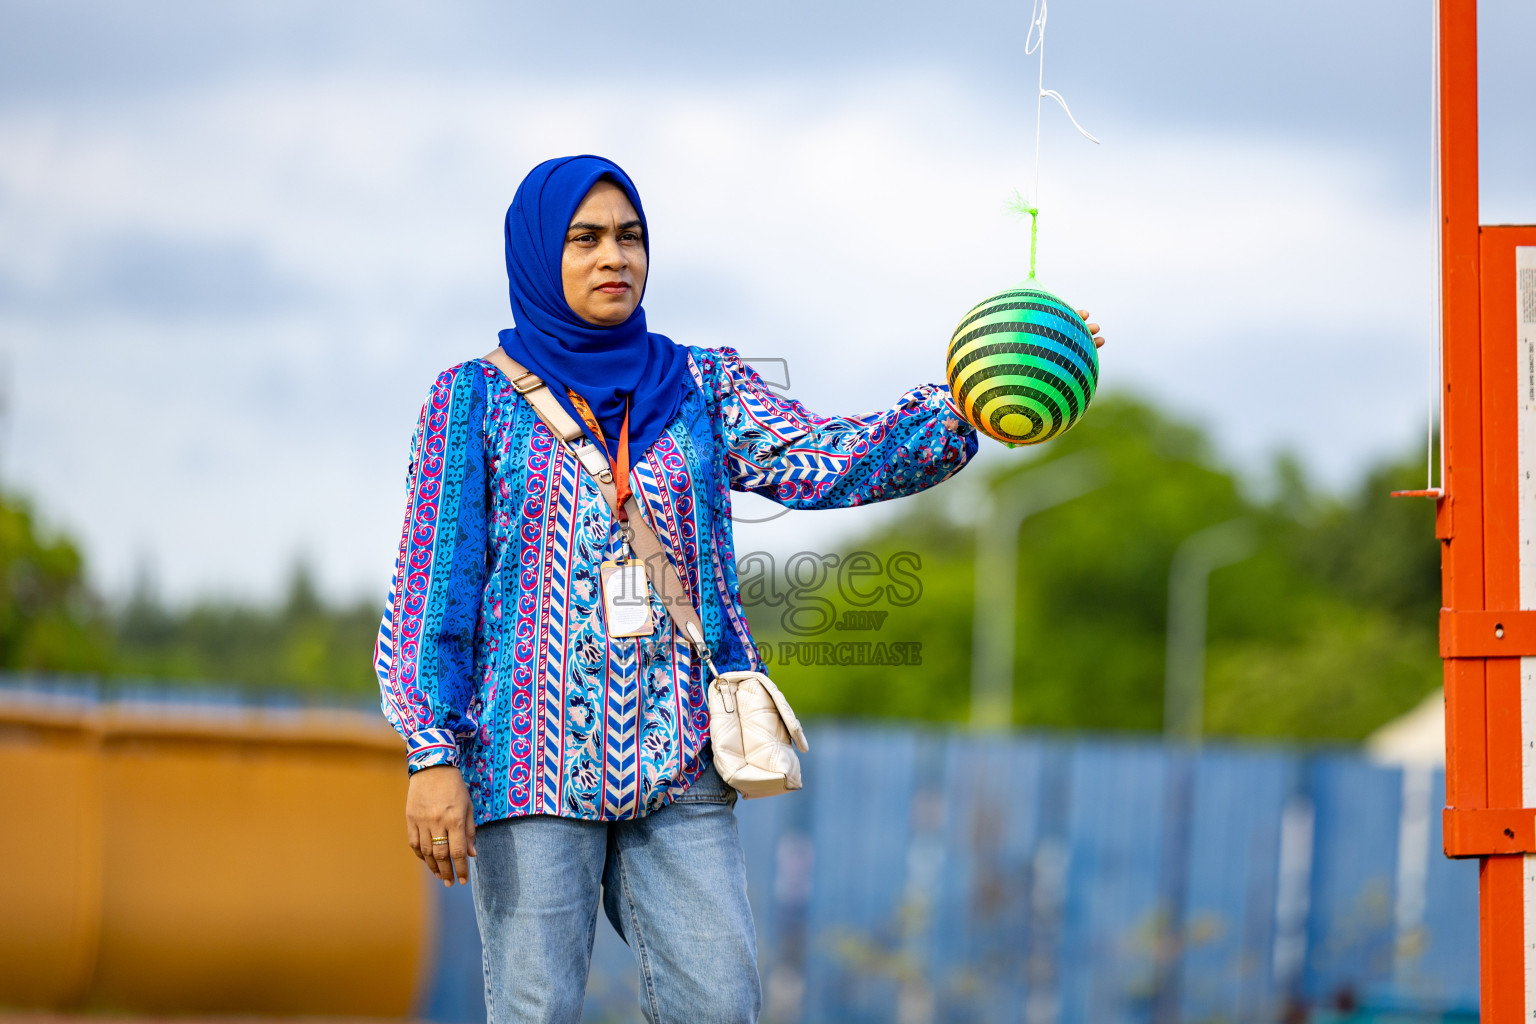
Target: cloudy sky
<point>237,242</point>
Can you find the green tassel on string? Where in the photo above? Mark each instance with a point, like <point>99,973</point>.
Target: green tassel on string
<point>1019,206</point>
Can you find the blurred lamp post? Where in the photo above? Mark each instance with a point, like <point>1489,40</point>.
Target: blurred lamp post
<point>1001,514</point>
<point>1188,589</point>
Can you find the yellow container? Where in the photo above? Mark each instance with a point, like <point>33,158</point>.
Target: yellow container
<point>181,859</point>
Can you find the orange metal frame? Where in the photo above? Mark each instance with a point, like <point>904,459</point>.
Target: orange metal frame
<point>1483,634</point>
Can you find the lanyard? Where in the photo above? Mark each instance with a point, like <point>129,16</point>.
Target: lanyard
<point>620,461</point>
<point>621,471</point>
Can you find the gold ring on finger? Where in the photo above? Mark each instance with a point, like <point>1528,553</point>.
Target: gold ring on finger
<point>439,841</point>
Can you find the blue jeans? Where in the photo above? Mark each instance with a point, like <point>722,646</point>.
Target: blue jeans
<point>673,883</point>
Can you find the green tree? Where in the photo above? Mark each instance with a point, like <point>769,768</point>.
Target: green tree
<point>1361,647</point>
<point>299,644</point>
<point>49,620</point>
<point>1325,632</point>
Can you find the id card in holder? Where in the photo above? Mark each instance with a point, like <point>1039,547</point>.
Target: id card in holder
<point>626,599</point>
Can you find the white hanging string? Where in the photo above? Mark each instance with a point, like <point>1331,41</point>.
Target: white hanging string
<point>1437,312</point>
<point>1434,412</point>
<point>1034,41</point>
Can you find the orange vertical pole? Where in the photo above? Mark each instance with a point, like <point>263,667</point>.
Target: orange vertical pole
<point>1480,559</point>
<point>1502,885</point>
<point>1460,514</point>
<point>1509,379</point>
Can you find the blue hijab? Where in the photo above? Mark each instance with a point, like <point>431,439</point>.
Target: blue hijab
<point>604,365</point>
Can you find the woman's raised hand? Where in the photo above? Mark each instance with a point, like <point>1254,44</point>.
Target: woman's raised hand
<point>437,805</point>
<point>1093,329</point>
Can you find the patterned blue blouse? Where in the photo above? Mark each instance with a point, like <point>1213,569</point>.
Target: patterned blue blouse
<point>492,655</point>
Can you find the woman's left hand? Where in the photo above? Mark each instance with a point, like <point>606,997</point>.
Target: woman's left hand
<point>438,807</point>
<point>1093,329</point>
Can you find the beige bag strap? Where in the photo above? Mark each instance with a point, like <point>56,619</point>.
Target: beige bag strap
<point>527,384</point>
<point>642,540</point>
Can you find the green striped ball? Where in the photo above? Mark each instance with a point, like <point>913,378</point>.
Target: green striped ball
<point>1022,366</point>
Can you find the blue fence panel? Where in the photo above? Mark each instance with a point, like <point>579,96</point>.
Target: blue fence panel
<point>776,835</point>
<point>1114,839</point>
<point>859,948</point>
<point>1437,962</point>
<point>995,921</point>
<point>961,879</point>
<point>1227,969</point>
<point>1351,937</point>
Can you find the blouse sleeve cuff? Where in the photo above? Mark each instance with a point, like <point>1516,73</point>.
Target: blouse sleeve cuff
<point>947,404</point>
<point>428,748</point>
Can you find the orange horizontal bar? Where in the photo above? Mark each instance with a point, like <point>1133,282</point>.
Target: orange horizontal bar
<point>1433,492</point>
<point>1488,831</point>
<point>1485,634</point>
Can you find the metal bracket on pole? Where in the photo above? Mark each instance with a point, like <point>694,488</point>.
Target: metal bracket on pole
<point>1488,831</point>
<point>1487,634</point>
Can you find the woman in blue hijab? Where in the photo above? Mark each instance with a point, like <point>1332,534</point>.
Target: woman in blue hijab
<point>570,761</point>
<point>576,336</point>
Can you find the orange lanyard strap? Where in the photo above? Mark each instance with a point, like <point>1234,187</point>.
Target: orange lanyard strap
<point>621,462</point>
<point>621,470</point>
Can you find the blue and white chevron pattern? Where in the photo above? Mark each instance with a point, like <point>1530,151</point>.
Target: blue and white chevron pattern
<point>807,465</point>
<point>621,775</point>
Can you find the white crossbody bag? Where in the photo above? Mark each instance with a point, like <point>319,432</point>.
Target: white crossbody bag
<point>752,728</point>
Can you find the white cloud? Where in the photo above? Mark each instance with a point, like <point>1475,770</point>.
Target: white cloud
<point>843,225</point>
